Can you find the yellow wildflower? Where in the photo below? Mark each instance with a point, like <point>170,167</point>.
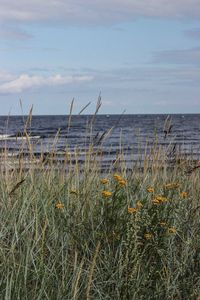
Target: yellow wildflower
<point>73,192</point>
<point>159,199</point>
<point>171,186</point>
<point>117,177</point>
<point>122,182</point>
<point>139,205</point>
<point>104,181</point>
<point>132,210</point>
<point>184,194</point>
<point>147,236</point>
<point>59,205</point>
<point>150,189</point>
<point>106,194</point>
<point>172,230</point>
<point>155,201</point>
<point>163,223</point>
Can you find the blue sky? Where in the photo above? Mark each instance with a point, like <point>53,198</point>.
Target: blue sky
<point>143,56</point>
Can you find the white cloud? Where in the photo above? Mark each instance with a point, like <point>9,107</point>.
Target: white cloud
<point>5,76</point>
<point>10,84</point>
<point>95,11</point>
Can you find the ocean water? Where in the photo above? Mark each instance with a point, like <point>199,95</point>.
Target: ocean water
<point>135,134</point>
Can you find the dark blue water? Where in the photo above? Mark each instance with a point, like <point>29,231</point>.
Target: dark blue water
<point>134,133</point>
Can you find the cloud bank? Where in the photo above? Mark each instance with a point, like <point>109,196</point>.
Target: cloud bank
<point>10,85</point>
<point>181,56</point>
<point>193,33</point>
<point>95,11</point>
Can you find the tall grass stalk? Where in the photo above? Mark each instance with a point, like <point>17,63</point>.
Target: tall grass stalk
<point>69,231</point>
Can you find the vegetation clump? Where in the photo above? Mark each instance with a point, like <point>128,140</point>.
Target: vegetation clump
<point>71,234</point>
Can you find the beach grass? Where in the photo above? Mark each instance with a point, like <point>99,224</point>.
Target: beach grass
<point>74,232</point>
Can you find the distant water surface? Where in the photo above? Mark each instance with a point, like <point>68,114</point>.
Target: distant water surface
<point>130,132</point>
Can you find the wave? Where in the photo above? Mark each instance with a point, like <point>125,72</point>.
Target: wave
<point>4,137</point>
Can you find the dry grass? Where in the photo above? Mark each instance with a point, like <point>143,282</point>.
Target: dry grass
<point>61,238</point>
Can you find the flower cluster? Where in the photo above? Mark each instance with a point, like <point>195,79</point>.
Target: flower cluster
<point>73,191</point>
<point>106,194</point>
<point>104,181</point>
<point>159,199</point>
<point>163,224</point>
<point>121,181</point>
<point>59,205</point>
<point>172,230</point>
<point>136,208</point>
<point>150,189</point>
<point>184,195</point>
<point>147,235</point>
<point>171,186</point>
<point>132,210</point>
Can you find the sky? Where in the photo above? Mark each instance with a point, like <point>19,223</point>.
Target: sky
<point>142,56</point>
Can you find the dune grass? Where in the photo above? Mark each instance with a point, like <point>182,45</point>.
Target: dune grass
<point>86,235</point>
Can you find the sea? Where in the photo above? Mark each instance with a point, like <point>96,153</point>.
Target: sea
<point>110,135</point>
